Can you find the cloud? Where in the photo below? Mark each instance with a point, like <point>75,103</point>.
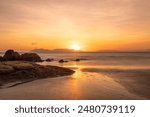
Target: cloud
<point>79,19</point>
<point>88,11</point>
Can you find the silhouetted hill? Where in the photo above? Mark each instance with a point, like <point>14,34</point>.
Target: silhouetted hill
<point>118,51</point>
<point>52,51</point>
<point>41,50</point>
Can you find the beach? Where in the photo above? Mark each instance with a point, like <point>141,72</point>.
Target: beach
<point>135,81</point>
<point>80,86</point>
<point>101,77</point>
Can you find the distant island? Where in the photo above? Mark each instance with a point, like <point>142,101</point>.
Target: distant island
<point>52,51</point>
<point>46,51</point>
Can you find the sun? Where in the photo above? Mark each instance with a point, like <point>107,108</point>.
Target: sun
<point>75,47</point>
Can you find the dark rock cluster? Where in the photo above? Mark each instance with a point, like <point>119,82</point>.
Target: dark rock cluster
<point>62,61</point>
<point>11,55</point>
<point>77,60</point>
<point>12,71</point>
<point>49,60</point>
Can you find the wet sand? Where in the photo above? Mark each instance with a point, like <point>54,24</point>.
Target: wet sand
<point>82,85</point>
<point>136,81</point>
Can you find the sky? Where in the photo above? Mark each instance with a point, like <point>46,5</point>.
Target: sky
<point>91,24</point>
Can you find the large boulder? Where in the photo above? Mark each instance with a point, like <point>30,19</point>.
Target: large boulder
<point>11,55</point>
<point>13,73</point>
<point>33,57</point>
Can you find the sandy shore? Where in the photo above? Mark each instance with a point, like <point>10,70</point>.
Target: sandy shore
<point>79,86</point>
<point>85,84</point>
<point>136,81</point>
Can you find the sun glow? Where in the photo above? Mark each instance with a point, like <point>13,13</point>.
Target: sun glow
<point>75,47</point>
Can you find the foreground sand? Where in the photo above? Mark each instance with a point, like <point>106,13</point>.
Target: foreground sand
<point>136,81</point>
<point>82,85</point>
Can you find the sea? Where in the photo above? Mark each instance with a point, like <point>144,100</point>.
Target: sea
<point>102,60</point>
<point>116,60</point>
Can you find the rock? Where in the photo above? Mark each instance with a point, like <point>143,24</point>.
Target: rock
<point>23,66</point>
<point>62,61</point>
<point>1,58</point>
<point>23,71</point>
<point>79,59</point>
<point>33,57</point>
<point>11,55</point>
<point>49,60</point>
<point>5,69</point>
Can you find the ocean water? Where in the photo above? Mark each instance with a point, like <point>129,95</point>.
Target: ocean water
<point>101,60</point>
<point>119,60</point>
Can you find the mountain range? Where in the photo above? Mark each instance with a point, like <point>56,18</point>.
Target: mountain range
<point>41,50</point>
<point>52,51</point>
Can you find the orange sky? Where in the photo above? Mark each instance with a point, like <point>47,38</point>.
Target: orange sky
<point>91,24</point>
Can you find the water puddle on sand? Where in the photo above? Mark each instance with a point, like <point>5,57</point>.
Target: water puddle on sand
<point>81,85</point>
